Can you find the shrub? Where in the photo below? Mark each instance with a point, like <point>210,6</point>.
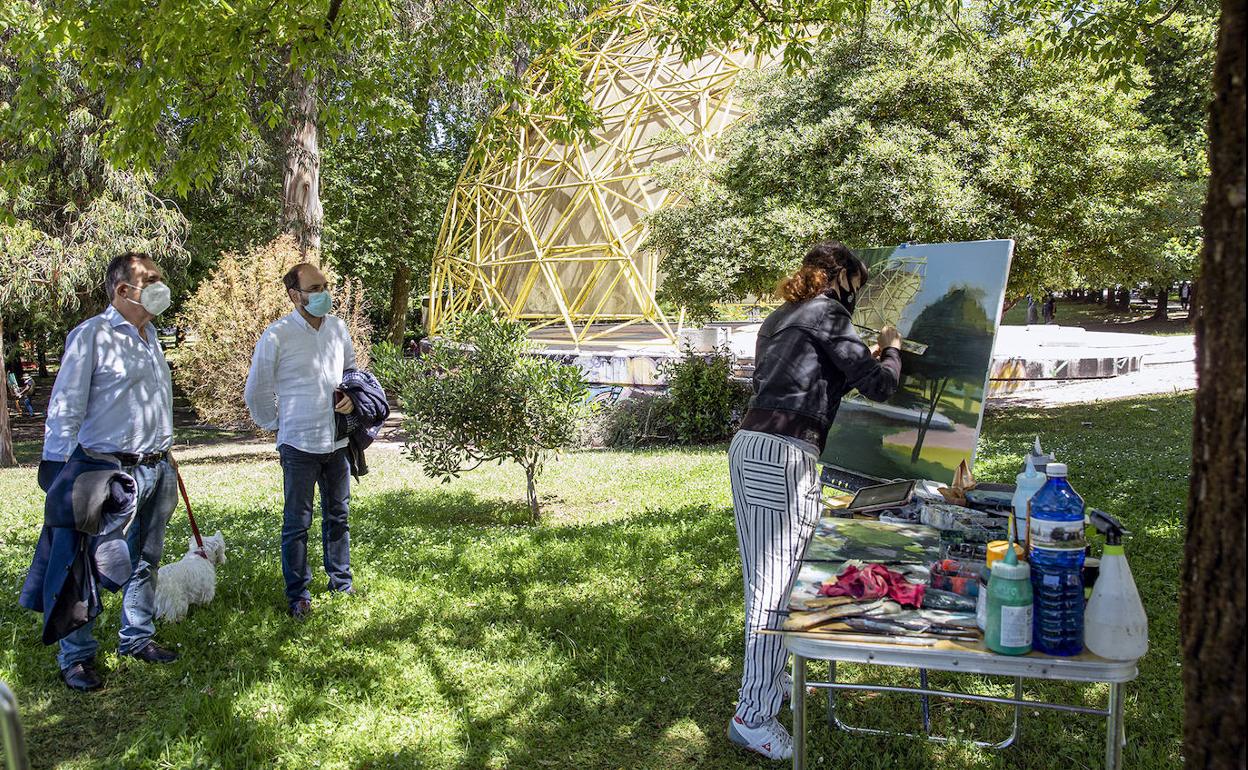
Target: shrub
<point>643,419</point>
<point>485,397</point>
<point>391,368</point>
<point>226,316</point>
<point>706,402</point>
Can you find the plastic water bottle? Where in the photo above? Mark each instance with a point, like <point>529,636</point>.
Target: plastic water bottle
<point>1056,554</point>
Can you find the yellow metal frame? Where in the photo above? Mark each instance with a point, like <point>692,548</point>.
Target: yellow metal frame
<point>551,232</point>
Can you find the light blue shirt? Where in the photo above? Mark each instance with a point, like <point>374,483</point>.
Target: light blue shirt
<point>113,392</point>
<point>294,372</point>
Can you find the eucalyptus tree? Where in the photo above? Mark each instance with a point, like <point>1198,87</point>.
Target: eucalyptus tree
<point>62,222</point>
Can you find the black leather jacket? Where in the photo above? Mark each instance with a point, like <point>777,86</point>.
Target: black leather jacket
<point>808,357</point>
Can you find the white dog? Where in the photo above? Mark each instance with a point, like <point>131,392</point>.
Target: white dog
<point>193,580</point>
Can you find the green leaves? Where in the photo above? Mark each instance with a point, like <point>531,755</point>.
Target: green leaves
<point>486,397</point>
<point>883,141</point>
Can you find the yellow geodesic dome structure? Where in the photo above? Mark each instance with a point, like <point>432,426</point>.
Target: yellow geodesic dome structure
<point>549,232</point>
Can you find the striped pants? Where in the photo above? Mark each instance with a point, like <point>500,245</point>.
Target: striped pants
<point>775,494</point>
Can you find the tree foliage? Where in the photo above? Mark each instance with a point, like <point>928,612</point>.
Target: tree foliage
<point>486,397</point>
<point>384,200</point>
<point>1112,36</point>
<point>226,316</point>
<point>187,87</point>
<point>62,217</point>
<point>882,142</point>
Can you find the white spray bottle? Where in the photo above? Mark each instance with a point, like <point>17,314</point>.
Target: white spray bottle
<point>1026,484</point>
<point>1114,624</point>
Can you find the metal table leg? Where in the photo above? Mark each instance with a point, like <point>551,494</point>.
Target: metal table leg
<point>1114,729</point>
<point>925,706</point>
<point>798,700</point>
<point>831,696</point>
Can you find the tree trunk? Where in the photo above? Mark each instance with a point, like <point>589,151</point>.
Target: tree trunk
<point>7,458</point>
<point>400,295</point>
<point>1163,302</point>
<point>1212,600</point>
<point>937,389</point>
<point>41,353</point>
<point>301,186</point>
<point>530,474</point>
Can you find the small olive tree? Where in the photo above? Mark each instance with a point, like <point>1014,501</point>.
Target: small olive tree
<point>484,396</point>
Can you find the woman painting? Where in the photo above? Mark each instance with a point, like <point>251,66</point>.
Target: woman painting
<point>808,357</point>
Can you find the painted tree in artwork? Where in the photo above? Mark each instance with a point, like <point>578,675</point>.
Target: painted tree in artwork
<point>958,333</point>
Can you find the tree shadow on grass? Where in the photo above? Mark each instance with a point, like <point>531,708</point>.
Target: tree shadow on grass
<point>605,645</point>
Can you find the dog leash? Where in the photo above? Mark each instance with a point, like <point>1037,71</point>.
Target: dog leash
<point>199,541</point>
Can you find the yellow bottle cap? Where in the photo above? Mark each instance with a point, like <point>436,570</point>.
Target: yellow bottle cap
<point>997,550</point>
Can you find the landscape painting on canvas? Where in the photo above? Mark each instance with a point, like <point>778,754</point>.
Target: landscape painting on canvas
<point>946,300</point>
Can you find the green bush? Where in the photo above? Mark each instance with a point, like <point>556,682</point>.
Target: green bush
<point>643,419</point>
<point>391,368</point>
<point>706,402</point>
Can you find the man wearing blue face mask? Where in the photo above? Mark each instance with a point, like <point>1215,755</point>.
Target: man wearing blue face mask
<point>113,398</point>
<point>292,388</point>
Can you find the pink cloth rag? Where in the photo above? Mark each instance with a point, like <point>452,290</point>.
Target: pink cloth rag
<point>875,581</point>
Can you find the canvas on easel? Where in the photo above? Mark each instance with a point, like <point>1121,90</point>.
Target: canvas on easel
<point>946,299</point>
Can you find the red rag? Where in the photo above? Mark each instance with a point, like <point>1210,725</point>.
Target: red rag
<point>875,581</point>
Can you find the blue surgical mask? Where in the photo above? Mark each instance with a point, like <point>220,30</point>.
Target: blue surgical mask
<point>319,304</point>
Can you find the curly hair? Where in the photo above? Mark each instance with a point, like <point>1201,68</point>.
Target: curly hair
<point>824,264</point>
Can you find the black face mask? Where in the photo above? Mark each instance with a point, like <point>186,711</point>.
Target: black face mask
<point>847,298</point>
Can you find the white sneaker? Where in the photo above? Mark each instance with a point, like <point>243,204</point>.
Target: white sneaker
<point>769,739</point>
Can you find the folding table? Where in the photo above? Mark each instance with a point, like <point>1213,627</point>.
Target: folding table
<point>967,657</point>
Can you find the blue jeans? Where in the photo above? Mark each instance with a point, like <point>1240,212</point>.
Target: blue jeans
<point>157,489</point>
<point>302,472</point>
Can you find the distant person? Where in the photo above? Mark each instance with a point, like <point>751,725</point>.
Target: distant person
<point>1033,313</point>
<point>21,403</point>
<point>113,397</point>
<point>292,388</point>
<point>808,356</point>
<point>1050,308</point>
<point>23,393</point>
<point>1185,295</point>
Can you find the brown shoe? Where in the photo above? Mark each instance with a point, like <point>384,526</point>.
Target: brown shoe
<point>82,676</point>
<point>153,653</point>
<point>301,609</point>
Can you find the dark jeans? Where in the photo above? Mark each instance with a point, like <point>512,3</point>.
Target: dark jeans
<point>157,489</point>
<point>302,472</point>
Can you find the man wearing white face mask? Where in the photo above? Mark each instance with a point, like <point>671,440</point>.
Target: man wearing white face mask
<point>292,388</point>
<point>113,396</point>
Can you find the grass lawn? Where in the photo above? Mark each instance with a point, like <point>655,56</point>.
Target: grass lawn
<point>606,637</point>
<point>1097,318</point>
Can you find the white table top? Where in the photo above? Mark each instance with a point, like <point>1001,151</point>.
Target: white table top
<point>969,657</point>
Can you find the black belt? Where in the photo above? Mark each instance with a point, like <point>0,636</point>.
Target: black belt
<point>128,459</point>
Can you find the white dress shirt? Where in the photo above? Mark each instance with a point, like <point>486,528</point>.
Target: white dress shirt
<point>294,372</point>
<point>113,392</point>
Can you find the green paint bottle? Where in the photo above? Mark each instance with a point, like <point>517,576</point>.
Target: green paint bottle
<point>1009,606</point>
